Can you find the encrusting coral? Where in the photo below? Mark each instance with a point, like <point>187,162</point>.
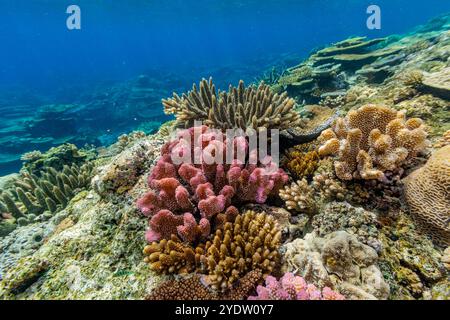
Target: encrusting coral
<point>338,261</point>
<point>191,199</point>
<point>241,107</point>
<point>372,140</point>
<point>291,287</point>
<point>427,192</point>
<point>250,242</point>
<point>193,288</point>
<point>44,194</point>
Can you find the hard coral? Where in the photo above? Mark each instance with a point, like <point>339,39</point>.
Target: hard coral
<point>299,196</point>
<point>204,190</point>
<point>45,194</point>
<point>250,242</point>
<point>427,195</point>
<point>291,287</point>
<point>241,107</point>
<point>300,164</point>
<point>372,140</point>
<point>339,261</point>
<point>193,288</point>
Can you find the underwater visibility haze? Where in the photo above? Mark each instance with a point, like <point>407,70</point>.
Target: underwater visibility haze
<point>93,204</point>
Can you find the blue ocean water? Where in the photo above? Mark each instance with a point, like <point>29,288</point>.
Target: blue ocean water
<point>174,43</point>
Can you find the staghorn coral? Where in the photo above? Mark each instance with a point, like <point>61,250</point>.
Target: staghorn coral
<point>372,140</point>
<point>300,164</point>
<point>241,107</point>
<point>426,192</point>
<point>299,196</point>
<point>291,287</point>
<point>45,194</point>
<point>193,288</point>
<point>338,261</point>
<point>205,190</point>
<point>250,242</point>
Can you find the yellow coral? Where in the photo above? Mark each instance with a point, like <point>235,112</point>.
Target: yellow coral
<point>427,195</point>
<point>301,164</point>
<point>250,242</point>
<point>299,196</point>
<point>371,140</point>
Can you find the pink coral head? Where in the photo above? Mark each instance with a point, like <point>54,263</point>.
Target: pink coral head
<point>163,225</point>
<point>204,227</point>
<point>192,175</point>
<point>148,204</point>
<point>190,232</point>
<point>328,294</point>
<point>204,190</point>
<point>211,206</point>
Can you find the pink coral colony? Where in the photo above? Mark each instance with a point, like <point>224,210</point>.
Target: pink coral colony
<point>196,181</point>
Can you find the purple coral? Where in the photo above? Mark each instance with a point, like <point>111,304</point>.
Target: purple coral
<point>291,287</point>
<point>195,175</point>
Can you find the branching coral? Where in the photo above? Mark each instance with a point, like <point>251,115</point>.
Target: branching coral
<point>299,196</point>
<point>45,194</point>
<point>300,164</point>
<point>291,287</point>
<point>204,193</point>
<point>427,195</point>
<point>250,242</point>
<point>372,140</point>
<point>241,107</point>
<point>193,288</point>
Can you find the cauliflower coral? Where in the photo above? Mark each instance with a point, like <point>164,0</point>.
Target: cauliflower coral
<point>199,177</point>
<point>291,287</point>
<point>372,140</point>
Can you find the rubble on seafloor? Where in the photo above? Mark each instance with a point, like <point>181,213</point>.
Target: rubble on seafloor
<point>357,211</point>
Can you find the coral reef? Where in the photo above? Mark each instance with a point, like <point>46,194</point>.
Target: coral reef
<point>410,263</point>
<point>241,107</point>
<point>372,140</point>
<point>338,261</point>
<point>250,242</point>
<point>291,287</point>
<point>204,192</point>
<point>427,196</point>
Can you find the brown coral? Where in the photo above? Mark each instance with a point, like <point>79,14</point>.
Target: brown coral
<point>427,195</point>
<point>193,288</point>
<point>241,107</point>
<point>372,140</point>
<point>301,164</point>
<point>250,242</point>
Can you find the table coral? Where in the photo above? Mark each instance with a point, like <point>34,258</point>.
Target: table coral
<point>250,242</point>
<point>372,140</point>
<point>291,287</point>
<point>241,107</point>
<point>427,196</point>
<point>204,192</point>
